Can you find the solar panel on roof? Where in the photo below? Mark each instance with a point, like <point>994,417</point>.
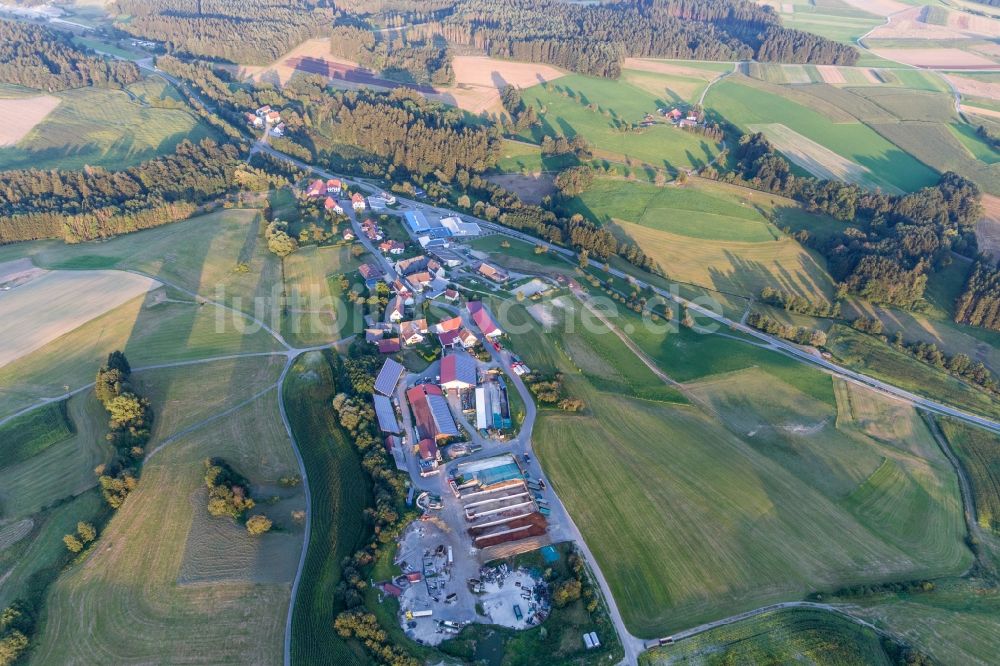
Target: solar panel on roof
<point>388,377</point>
<point>386,415</point>
<point>442,415</point>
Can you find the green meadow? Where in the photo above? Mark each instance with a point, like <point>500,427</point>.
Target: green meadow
<point>607,113</point>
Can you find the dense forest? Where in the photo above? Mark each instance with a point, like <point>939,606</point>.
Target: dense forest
<point>411,62</point>
<point>97,203</point>
<point>45,59</point>
<point>979,304</point>
<point>891,243</point>
<point>252,32</point>
<point>595,38</point>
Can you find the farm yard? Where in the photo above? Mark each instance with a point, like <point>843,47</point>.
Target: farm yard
<point>101,127</point>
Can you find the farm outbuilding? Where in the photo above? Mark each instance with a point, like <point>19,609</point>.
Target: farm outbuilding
<point>458,371</point>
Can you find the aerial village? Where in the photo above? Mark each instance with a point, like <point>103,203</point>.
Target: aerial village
<point>454,426</point>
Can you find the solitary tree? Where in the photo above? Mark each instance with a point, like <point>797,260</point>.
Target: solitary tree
<point>86,531</point>
<point>258,524</point>
<point>72,543</point>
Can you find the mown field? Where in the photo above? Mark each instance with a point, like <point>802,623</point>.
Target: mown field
<point>763,488</point>
<point>201,588</point>
<point>339,496</point>
<point>979,452</point>
<point>599,109</point>
<point>780,637</point>
<point>107,128</point>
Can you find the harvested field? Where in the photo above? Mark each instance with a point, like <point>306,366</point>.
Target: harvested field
<point>57,302</point>
<point>478,79</point>
<point>814,158</point>
<point>988,228</point>
<point>11,533</point>
<point>672,68</point>
<point>975,88</point>
<point>532,188</point>
<point>139,575</point>
<point>21,115</point>
<point>879,7</point>
<point>978,26</point>
<point>913,24</point>
<point>832,75</point>
<point>944,58</point>
<point>978,110</point>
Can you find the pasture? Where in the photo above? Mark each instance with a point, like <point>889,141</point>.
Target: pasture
<point>202,590</point>
<point>979,452</point>
<point>732,267</point>
<point>101,127</point>
<point>521,157</point>
<point>836,130</point>
<point>340,494</point>
<point>54,303</point>
<point>700,209</point>
<point>607,113</point>
<point>815,637</point>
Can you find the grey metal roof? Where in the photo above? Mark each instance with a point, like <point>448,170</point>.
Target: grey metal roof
<point>386,415</point>
<point>388,377</point>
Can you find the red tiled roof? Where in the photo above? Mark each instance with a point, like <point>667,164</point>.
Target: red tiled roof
<point>388,346</point>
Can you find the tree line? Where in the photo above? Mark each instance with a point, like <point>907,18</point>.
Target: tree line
<point>36,57</point>
<point>95,202</point>
<point>253,32</point>
<point>130,420</point>
<point>979,303</point>
<point>890,243</point>
<point>595,38</point>
<point>800,335</point>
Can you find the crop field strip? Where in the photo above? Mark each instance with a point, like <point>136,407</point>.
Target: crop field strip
<point>748,102</point>
<point>340,494</point>
<point>979,453</point>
